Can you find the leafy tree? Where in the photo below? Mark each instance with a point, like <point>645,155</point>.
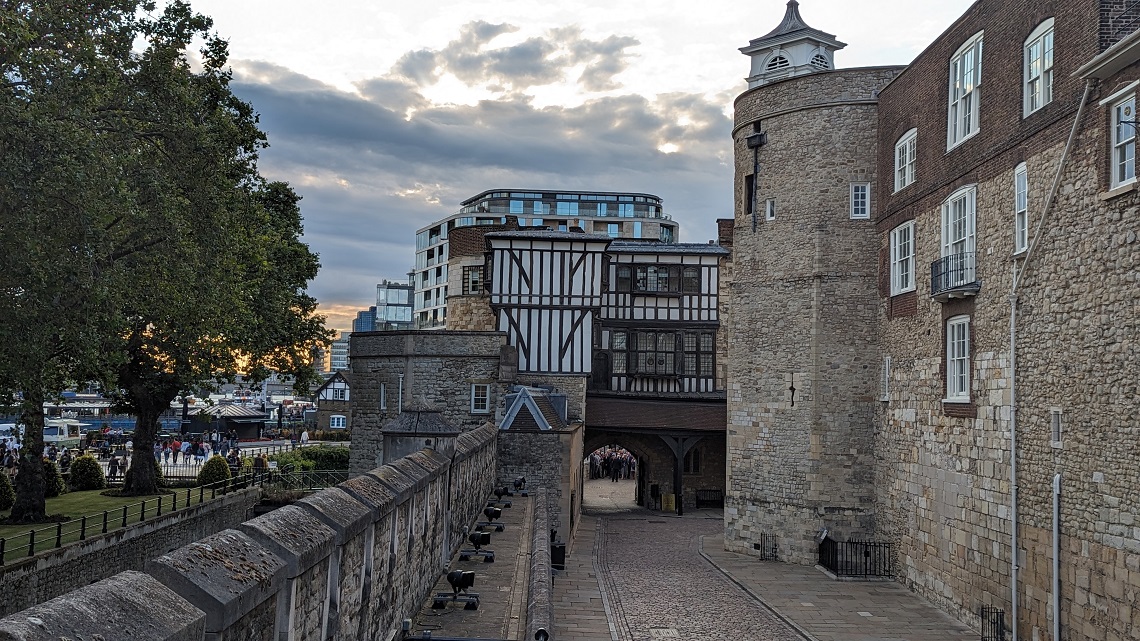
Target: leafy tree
<point>140,246</point>
<point>7,495</point>
<point>53,480</point>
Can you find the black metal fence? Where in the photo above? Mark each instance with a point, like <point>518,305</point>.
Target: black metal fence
<point>993,623</point>
<point>767,547</point>
<point>953,271</point>
<point>187,467</point>
<point>64,532</point>
<point>856,558</point>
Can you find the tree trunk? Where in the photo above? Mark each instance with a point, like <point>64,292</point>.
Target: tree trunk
<point>31,505</point>
<point>142,477</point>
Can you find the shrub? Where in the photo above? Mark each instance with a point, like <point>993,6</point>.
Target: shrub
<point>215,470</point>
<point>326,458</point>
<point>53,481</point>
<point>294,460</point>
<point>7,494</point>
<point>87,474</point>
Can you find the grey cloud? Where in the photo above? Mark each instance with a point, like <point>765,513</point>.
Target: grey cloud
<point>533,62</point>
<point>376,165</point>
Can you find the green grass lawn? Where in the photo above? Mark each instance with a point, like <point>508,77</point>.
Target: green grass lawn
<point>77,505</point>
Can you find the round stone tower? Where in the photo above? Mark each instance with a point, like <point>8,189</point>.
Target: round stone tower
<point>804,368</point>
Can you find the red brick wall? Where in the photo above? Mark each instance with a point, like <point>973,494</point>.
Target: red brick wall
<point>918,98</point>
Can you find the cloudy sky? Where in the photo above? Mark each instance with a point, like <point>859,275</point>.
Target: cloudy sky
<point>384,115</point>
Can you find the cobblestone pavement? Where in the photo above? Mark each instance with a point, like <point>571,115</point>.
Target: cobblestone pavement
<point>638,575</point>
<point>654,582</point>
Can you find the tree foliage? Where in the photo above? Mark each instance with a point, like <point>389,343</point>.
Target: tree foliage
<point>214,470</point>
<point>141,248</point>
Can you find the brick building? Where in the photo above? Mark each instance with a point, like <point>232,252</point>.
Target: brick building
<point>988,404</point>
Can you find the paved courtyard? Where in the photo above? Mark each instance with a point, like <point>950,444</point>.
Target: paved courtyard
<point>637,575</point>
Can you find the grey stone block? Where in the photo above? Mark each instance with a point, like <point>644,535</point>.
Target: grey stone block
<point>119,607</point>
<point>415,473</point>
<point>337,509</point>
<point>227,575</point>
<point>294,535</point>
<point>366,489</point>
<point>396,482</point>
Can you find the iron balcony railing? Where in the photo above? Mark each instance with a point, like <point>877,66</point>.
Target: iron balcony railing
<point>856,558</point>
<point>954,272</point>
<point>993,623</point>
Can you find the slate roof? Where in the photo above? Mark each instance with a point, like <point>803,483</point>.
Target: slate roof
<point>532,409</point>
<point>636,413</point>
<point>229,410</point>
<point>420,419</point>
<point>658,247</point>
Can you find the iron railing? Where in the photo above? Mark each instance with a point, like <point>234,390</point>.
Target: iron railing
<point>768,547</point>
<point>993,623</point>
<point>38,539</point>
<point>856,558</point>
<point>187,470</point>
<point>953,272</point>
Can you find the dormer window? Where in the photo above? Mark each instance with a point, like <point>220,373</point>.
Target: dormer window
<point>777,63</point>
<point>820,62</point>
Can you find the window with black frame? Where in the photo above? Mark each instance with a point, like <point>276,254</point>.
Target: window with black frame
<point>700,356</point>
<point>658,279</point>
<point>655,353</point>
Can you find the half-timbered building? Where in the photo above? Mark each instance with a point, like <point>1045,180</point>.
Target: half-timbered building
<point>545,288</point>
<point>334,403</point>
<point>659,319</point>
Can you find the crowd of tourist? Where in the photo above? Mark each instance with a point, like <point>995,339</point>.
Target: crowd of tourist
<point>612,463</point>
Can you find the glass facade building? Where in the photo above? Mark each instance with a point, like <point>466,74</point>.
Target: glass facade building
<point>614,214</point>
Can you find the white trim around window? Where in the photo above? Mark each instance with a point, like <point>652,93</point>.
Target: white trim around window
<point>860,208</point>
<point>1020,209</point>
<point>958,360</point>
<point>770,209</point>
<point>337,422</point>
<point>383,397</point>
<point>1123,165</point>
<point>480,398</point>
<point>905,150</point>
<point>965,92</point>
<point>902,258</point>
<point>1038,68</point>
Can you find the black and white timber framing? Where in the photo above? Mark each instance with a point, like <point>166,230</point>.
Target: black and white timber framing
<point>545,288</point>
<point>659,319</point>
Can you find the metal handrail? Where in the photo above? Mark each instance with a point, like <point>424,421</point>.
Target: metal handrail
<point>66,532</point>
<point>950,272</point>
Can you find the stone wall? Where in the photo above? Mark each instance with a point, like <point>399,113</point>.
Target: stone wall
<point>544,458</point>
<point>438,368</point>
<point>802,320</point>
<point>574,387</point>
<point>55,572</point>
<point>348,562</point>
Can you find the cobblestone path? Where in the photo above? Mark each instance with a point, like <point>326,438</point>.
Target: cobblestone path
<point>654,582</point>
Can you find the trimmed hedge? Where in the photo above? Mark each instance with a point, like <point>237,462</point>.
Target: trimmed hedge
<point>53,480</point>
<point>215,470</point>
<point>7,493</point>
<point>320,457</point>
<point>87,474</point>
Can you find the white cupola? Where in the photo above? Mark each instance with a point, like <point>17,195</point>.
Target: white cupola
<point>791,49</point>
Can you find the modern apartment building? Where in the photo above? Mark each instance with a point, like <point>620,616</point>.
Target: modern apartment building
<point>614,214</point>
<point>394,307</point>
<point>338,359</point>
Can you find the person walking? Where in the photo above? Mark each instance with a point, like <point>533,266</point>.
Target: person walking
<point>113,468</point>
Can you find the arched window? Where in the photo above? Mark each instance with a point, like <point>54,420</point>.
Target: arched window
<point>820,62</point>
<point>779,62</point>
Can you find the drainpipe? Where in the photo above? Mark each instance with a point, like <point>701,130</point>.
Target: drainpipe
<point>400,395</point>
<point>1017,276</point>
<point>1057,557</point>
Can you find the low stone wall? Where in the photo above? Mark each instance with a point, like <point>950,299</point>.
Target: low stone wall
<point>61,570</point>
<point>349,562</point>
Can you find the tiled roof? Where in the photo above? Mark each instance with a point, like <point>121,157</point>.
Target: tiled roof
<point>229,410</point>
<point>631,413</point>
